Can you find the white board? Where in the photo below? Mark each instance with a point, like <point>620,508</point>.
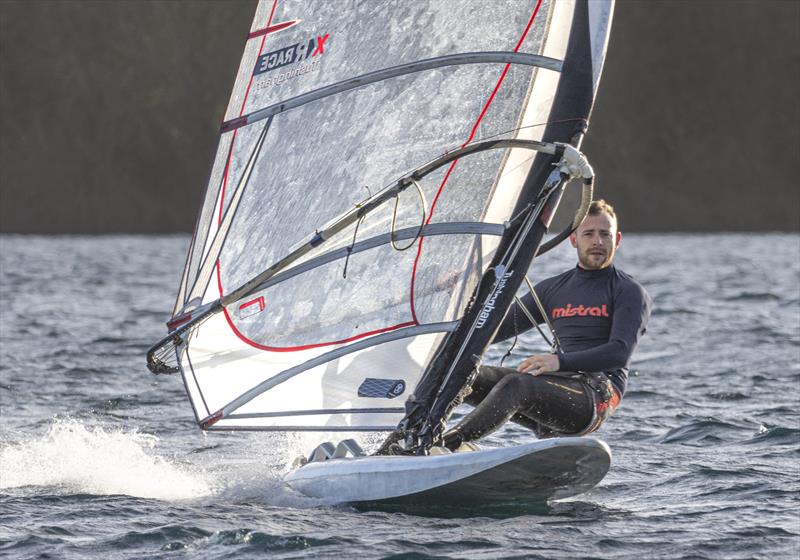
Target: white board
<point>533,472</point>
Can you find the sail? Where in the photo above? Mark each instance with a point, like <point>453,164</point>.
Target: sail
<point>335,109</point>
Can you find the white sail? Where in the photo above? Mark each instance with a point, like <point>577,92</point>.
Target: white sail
<point>333,102</point>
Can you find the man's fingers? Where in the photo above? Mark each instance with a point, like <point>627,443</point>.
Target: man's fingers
<point>529,365</point>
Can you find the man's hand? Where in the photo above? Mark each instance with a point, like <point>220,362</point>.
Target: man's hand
<point>539,364</point>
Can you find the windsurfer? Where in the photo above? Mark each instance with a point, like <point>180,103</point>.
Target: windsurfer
<point>597,313</point>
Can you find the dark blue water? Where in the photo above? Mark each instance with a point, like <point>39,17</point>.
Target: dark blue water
<point>100,459</point>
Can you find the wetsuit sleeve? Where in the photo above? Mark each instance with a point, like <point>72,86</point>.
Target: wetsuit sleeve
<point>631,313</point>
<point>516,321</point>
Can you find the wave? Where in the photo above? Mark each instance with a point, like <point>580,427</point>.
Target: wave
<point>75,458</point>
<point>666,311</point>
<point>753,296</point>
<point>710,430</point>
<point>701,430</point>
<point>93,460</point>
<point>197,540</point>
<point>775,436</point>
<point>728,396</point>
<point>642,357</point>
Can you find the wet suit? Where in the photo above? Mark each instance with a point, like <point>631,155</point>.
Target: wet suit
<point>598,316</point>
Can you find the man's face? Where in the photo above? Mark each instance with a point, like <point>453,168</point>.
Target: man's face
<point>596,239</point>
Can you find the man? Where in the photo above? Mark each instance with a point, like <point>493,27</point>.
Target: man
<point>597,314</point>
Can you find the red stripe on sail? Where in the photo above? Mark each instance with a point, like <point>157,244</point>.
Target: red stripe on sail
<point>272,29</point>
<point>471,136</point>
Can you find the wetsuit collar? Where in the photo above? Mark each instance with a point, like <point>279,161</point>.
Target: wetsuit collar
<point>601,273</point>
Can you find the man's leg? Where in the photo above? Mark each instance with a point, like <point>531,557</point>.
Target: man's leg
<point>560,404</point>
<point>487,378</point>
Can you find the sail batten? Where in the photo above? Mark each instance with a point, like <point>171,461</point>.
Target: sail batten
<point>323,411</point>
<point>214,249</point>
<point>393,72</point>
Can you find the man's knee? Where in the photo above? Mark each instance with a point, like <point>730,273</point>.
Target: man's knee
<point>512,384</point>
<point>486,379</point>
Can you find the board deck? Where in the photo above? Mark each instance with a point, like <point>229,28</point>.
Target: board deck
<point>533,472</point>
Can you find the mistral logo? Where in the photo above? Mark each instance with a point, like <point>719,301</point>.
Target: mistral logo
<point>489,306</point>
<point>293,54</point>
<point>581,311</point>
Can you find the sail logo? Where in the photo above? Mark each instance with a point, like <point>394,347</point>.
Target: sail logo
<point>489,306</point>
<point>292,54</point>
<point>581,311</point>
<point>377,388</point>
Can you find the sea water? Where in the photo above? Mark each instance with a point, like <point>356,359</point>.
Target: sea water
<point>101,459</point>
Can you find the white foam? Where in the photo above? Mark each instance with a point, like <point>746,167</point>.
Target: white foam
<point>100,461</point>
<point>256,469</point>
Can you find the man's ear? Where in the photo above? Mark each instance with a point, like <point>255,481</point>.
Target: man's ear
<point>619,239</point>
<point>573,239</point>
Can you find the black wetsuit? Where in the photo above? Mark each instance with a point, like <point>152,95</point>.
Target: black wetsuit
<point>598,316</point>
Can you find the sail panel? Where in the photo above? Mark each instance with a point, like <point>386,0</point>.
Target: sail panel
<point>353,47</point>
<point>373,378</point>
<point>358,142</point>
<point>214,379</point>
<point>298,312</point>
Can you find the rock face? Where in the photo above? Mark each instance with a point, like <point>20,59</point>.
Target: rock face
<point>110,112</point>
<point>695,126</point>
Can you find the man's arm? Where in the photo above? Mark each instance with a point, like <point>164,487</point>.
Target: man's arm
<point>631,313</point>
<point>516,321</point>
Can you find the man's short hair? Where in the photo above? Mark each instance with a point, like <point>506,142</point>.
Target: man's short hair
<point>601,206</point>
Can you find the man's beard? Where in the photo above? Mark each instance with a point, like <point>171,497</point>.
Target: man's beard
<point>591,262</point>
